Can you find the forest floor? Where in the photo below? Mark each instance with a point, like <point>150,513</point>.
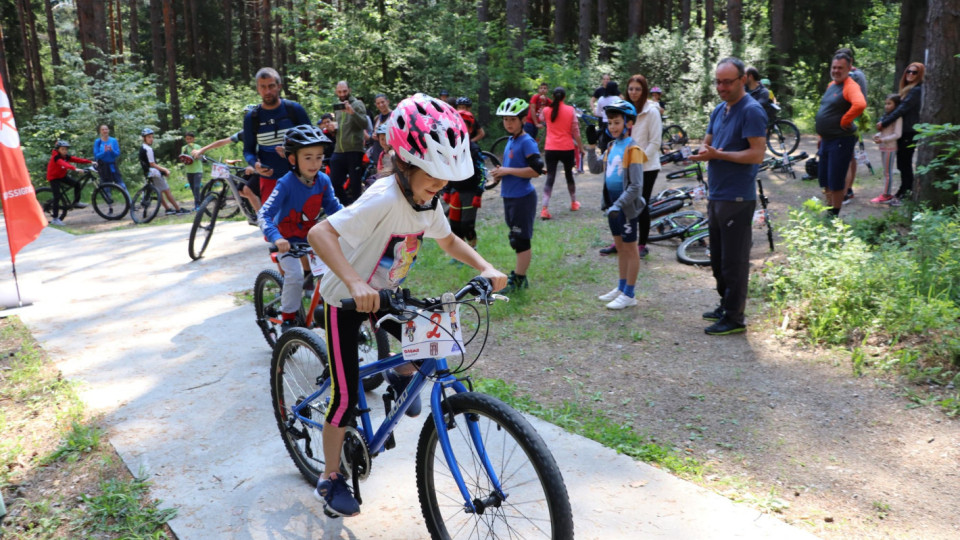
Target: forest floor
<point>775,421</point>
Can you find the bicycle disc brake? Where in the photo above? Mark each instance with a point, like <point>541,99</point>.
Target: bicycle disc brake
<point>355,455</point>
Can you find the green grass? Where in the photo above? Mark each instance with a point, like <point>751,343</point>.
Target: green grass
<point>120,509</point>
<point>595,425</point>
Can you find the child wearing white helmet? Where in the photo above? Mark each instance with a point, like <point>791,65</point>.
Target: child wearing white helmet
<point>372,245</point>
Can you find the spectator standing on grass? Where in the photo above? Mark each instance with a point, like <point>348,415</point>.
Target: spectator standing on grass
<point>106,150</point>
<point>350,116</point>
<point>562,146</point>
<point>611,94</point>
<point>599,93</point>
<point>733,148</point>
<point>264,128</point>
<point>841,104</point>
<point>194,170</point>
<point>911,96</point>
<point>861,80</point>
<point>887,140</point>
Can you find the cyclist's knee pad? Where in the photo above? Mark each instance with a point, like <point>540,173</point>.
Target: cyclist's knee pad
<point>519,245</point>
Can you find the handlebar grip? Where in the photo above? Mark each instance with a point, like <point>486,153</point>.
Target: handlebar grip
<point>386,303</point>
<point>348,304</point>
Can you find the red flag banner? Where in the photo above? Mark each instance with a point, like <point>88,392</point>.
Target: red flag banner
<point>21,211</point>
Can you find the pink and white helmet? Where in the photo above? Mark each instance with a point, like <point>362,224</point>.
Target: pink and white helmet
<point>429,134</point>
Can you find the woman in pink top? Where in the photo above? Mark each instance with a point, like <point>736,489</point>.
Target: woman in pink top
<point>563,139</point>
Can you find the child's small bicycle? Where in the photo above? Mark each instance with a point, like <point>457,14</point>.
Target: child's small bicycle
<point>482,470</point>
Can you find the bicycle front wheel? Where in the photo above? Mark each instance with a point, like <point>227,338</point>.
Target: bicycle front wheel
<point>490,162</point>
<point>45,198</point>
<point>532,501</point>
<point>783,137</point>
<point>695,250</point>
<point>146,204</point>
<point>110,201</point>
<point>674,224</point>
<point>266,302</point>
<point>203,223</point>
<point>297,370</point>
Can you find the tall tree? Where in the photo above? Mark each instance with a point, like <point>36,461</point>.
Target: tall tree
<point>708,27</point>
<point>52,34</point>
<point>4,70</point>
<point>603,16</point>
<point>267,26</point>
<point>941,101</point>
<point>735,25</point>
<point>227,8</point>
<point>92,34</point>
<point>156,41</point>
<point>585,30</point>
<point>35,51</point>
<point>634,18</point>
<point>516,21</point>
<point>560,21</point>
<point>684,16</point>
<point>30,67</point>
<point>244,41</point>
<point>134,32</point>
<point>483,90</point>
<point>190,40</point>
<point>911,42</point>
<point>168,32</point>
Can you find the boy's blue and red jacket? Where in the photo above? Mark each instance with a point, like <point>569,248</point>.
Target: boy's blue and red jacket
<point>293,208</point>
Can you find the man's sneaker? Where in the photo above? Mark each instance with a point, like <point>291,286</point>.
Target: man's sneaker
<point>515,283</point>
<point>725,326</point>
<point>609,250</point>
<point>643,251</point>
<point>336,496</point>
<point>895,202</point>
<point>612,295</point>
<point>169,212</point>
<point>79,204</point>
<point>714,315</point>
<point>621,302</point>
<point>545,214</point>
<point>57,222</point>
<point>574,206</point>
<point>399,384</point>
<point>847,198</point>
<point>882,199</point>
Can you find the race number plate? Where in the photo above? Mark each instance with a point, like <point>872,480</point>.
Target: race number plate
<point>219,170</point>
<point>316,265</point>
<point>439,336</point>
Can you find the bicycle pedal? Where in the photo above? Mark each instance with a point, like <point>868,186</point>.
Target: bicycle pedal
<point>390,442</point>
<point>330,514</point>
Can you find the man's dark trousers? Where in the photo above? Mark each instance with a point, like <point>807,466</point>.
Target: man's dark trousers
<point>731,237</point>
<point>341,165</point>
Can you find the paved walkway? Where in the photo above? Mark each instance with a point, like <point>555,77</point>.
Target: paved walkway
<point>180,371</point>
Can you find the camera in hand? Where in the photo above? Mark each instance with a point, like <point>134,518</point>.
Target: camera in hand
<point>339,106</point>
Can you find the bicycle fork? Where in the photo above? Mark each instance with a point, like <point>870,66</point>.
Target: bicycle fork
<point>444,424</point>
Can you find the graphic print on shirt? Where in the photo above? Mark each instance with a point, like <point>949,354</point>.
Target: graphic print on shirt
<point>297,224</point>
<point>396,261</point>
<point>615,170</point>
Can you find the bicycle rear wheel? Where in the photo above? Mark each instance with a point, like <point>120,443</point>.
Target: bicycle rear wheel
<point>674,224</point>
<point>783,137</point>
<point>110,201</point>
<point>490,162</point>
<point>532,501</point>
<point>297,370</point>
<point>145,205</point>
<point>45,198</point>
<point>695,250</point>
<point>674,137</point>
<point>203,223</point>
<point>498,145</point>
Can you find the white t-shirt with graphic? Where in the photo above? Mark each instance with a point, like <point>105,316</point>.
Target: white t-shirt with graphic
<point>380,235</point>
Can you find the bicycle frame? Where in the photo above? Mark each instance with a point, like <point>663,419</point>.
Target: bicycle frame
<point>231,181</point>
<point>377,442</point>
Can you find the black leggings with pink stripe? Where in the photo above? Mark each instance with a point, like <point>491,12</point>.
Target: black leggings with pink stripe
<point>342,328</point>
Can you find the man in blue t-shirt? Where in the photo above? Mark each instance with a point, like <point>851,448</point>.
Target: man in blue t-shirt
<point>521,162</point>
<point>733,149</point>
<point>264,127</point>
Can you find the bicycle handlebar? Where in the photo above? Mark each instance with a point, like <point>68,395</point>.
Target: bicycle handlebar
<point>296,250</point>
<point>396,301</point>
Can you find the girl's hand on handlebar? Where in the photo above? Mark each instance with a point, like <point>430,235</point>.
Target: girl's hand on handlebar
<point>283,245</point>
<point>496,278</point>
<point>365,296</point>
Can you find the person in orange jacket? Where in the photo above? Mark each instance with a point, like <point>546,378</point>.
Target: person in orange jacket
<point>61,163</point>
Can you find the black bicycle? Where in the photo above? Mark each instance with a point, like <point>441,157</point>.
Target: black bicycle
<point>222,199</point>
<point>146,203</point>
<point>674,137</point>
<point>783,136</point>
<point>109,200</point>
<point>783,163</point>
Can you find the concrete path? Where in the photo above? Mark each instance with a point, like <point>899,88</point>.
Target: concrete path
<point>180,371</point>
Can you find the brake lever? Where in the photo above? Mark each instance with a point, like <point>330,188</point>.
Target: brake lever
<point>387,317</point>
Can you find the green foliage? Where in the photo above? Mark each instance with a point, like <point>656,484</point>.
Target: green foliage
<point>903,287</point>
<point>81,439</point>
<point>120,509</point>
<point>945,139</point>
<point>874,50</point>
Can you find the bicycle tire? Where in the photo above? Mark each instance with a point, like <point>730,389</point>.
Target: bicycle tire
<point>675,224</point>
<point>110,201</point>
<point>684,173</point>
<point>145,204</point>
<point>537,502</point>
<point>297,369</point>
<point>695,250</point>
<point>201,232</point>
<point>490,162</point>
<point>45,198</point>
<point>674,136</point>
<point>498,145</point>
<point>266,303</point>
<point>218,186</point>
<point>664,208</point>
<point>783,133</point>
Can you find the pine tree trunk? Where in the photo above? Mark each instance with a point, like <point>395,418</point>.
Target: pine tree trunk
<point>27,57</point>
<point>912,39</point>
<point>635,18</point>
<point>560,21</point>
<point>111,25</point>
<point>134,31</point>
<point>171,62</point>
<point>227,8</point>
<point>4,69</point>
<point>516,20</point>
<point>52,35</point>
<point>90,41</point>
<point>256,35</point>
<point>708,28</point>
<point>100,26</point>
<point>156,41</point>
<point>483,90</point>
<point>119,21</point>
<point>941,101</point>
<point>265,16</point>
<point>778,31</point>
<point>35,52</point>
<point>603,15</point>
<point>189,41</point>
<point>585,30</point>
<point>684,16</point>
<point>245,41</point>
<point>735,25</point>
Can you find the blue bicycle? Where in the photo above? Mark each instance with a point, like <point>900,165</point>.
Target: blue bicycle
<point>482,470</point>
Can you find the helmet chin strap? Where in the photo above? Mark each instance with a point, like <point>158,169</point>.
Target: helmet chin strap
<point>404,183</point>
<point>296,171</point>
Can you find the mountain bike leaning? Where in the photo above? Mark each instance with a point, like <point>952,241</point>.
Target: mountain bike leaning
<point>482,470</point>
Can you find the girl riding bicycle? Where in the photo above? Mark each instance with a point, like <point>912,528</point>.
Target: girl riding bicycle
<point>375,238</point>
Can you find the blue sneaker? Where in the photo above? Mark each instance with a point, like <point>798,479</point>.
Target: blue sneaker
<point>399,384</point>
<point>336,496</point>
